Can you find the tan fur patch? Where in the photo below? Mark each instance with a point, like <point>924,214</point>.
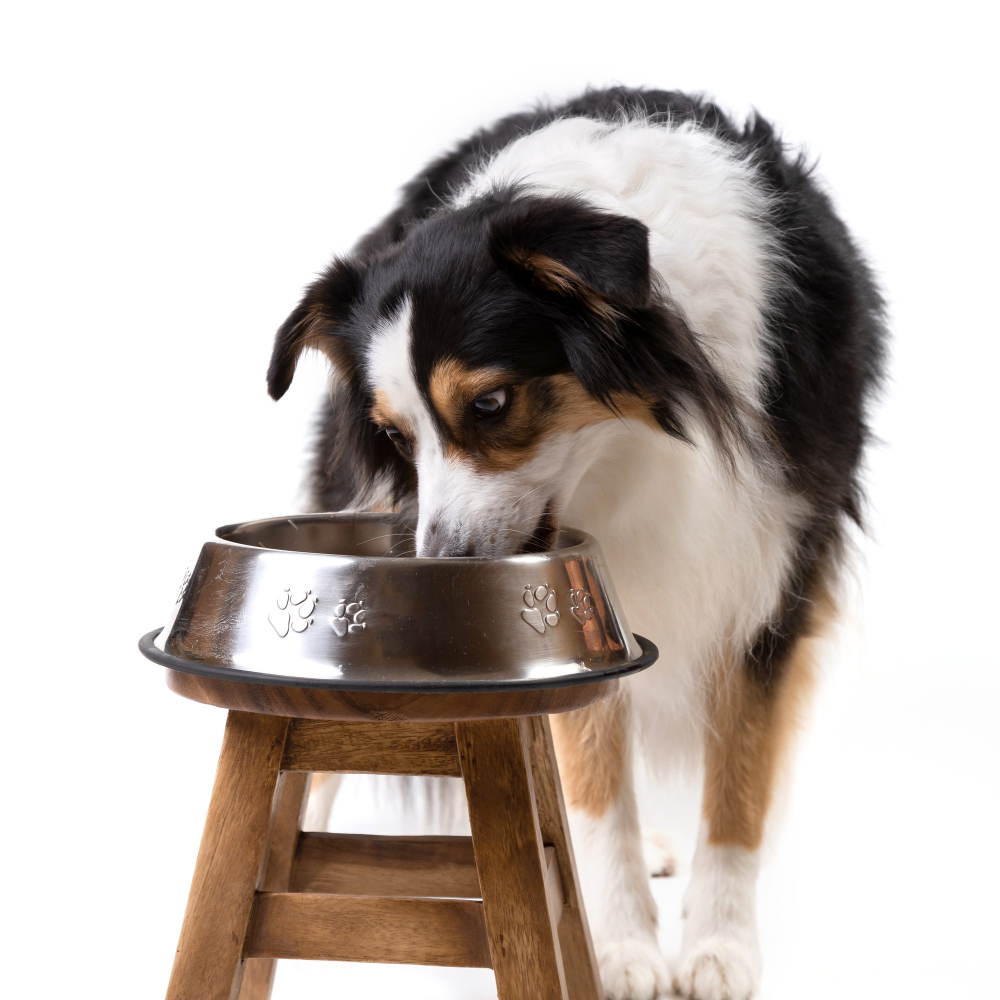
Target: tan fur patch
<point>539,408</point>
<point>453,386</point>
<point>383,414</point>
<point>592,747</point>
<point>557,277</point>
<point>578,409</point>
<point>751,731</point>
<point>313,332</point>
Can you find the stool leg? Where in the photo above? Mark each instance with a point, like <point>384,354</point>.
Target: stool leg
<point>510,859</point>
<point>283,839</point>
<point>583,980</point>
<point>208,964</point>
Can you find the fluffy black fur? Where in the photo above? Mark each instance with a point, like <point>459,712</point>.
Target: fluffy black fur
<point>477,293</point>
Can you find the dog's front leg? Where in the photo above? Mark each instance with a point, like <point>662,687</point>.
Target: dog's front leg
<point>751,722</point>
<point>594,750</point>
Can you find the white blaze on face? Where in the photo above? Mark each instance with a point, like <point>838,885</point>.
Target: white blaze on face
<point>390,371</point>
<point>461,510</point>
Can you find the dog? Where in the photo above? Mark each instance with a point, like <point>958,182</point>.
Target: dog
<point>631,315</point>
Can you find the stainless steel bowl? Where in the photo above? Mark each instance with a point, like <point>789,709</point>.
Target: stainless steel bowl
<point>338,600</point>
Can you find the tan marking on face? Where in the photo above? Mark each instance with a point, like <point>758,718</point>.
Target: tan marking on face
<point>538,408</point>
<point>578,409</point>
<point>592,747</point>
<point>453,386</point>
<point>750,733</point>
<point>383,414</point>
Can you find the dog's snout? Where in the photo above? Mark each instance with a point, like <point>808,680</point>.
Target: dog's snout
<point>438,542</point>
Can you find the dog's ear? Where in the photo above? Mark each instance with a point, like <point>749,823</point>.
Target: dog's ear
<point>314,323</point>
<point>564,246</point>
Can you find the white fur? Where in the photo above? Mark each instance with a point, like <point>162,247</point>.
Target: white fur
<point>720,956</point>
<point>614,879</point>
<point>632,969</point>
<point>697,557</point>
<point>699,202</point>
<point>390,369</point>
<point>698,561</point>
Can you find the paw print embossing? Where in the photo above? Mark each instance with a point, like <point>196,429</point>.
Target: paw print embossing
<point>581,605</point>
<point>295,608</point>
<point>541,607</point>
<point>349,618</point>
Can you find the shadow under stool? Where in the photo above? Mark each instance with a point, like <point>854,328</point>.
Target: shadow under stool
<point>506,898</point>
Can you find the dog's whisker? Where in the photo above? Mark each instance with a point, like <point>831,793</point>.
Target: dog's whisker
<point>530,492</point>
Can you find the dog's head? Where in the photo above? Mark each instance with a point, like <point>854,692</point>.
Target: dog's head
<point>473,356</point>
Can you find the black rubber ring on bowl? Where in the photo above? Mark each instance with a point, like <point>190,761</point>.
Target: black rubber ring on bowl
<point>151,652</point>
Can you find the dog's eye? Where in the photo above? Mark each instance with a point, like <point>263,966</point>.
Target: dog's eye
<point>490,403</point>
<point>400,440</point>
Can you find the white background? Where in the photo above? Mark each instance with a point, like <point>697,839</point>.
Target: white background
<point>173,174</point>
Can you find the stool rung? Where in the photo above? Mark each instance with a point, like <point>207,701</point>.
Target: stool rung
<point>368,865</point>
<point>336,928</point>
<point>356,864</point>
<point>372,747</point>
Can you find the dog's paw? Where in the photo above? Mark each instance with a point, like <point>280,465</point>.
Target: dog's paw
<point>718,969</point>
<point>659,853</point>
<point>632,970</point>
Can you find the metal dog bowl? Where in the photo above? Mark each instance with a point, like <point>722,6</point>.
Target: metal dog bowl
<point>339,601</point>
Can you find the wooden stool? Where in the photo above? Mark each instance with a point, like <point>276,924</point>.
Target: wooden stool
<point>507,897</point>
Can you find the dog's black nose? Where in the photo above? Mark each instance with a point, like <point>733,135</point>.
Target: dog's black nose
<point>438,543</point>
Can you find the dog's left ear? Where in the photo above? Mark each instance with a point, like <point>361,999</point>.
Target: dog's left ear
<point>564,246</point>
<point>315,322</point>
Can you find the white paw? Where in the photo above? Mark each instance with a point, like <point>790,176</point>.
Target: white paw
<point>658,851</point>
<point>718,969</point>
<point>632,970</point>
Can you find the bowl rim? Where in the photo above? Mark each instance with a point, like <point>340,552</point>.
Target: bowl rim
<point>582,541</point>
<point>151,652</point>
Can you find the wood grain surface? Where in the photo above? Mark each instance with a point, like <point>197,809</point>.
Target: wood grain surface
<point>283,836</point>
<point>208,963</point>
<point>317,703</point>
<point>510,856</point>
<point>372,747</point>
<point>369,929</point>
<point>583,980</point>
<point>355,864</point>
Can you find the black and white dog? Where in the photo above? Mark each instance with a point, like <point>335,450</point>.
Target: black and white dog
<point>630,315</point>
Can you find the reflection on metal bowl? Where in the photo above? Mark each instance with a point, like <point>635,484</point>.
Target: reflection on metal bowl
<point>338,600</point>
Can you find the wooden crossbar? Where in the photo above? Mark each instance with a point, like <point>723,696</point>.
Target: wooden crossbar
<point>372,747</point>
<point>385,866</point>
<point>323,926</point>
<point>367,865</point>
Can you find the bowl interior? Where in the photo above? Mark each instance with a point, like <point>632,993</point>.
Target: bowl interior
<point>368,535</point>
